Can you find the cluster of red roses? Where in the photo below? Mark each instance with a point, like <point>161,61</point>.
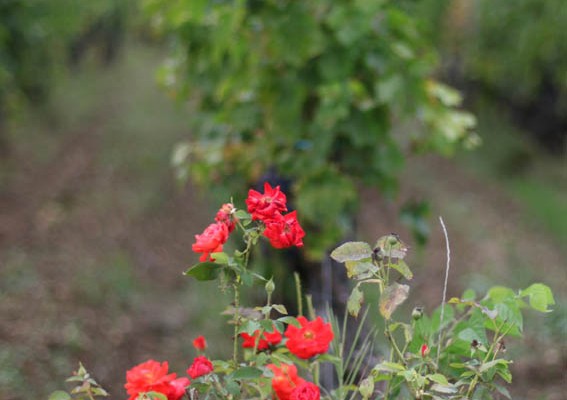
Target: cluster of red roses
<point>312,338</point>
<point>306,341</point>
<point>282,230</point>
<point>152,376</point>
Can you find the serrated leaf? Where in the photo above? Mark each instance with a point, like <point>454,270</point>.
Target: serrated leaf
<point>352,251</point>
<point>388,367</point>
<point>205,271</point>
<point>280,308</point>
<point>503,391</point>
<point>247,373</point>
<point>290,320</point>
<point>438,378</point>
<point>391,298</point>
<point>540,297</point>
<point>402,268</point>
<point>355,301</point>
<point>220,258</point>
<point>492,364</point>
<point>59,395</point>
<point>152,396</point>
<point>443,389</point>
<point>241,214</point>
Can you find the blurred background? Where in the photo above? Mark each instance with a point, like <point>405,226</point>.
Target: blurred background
<point>125,124</point>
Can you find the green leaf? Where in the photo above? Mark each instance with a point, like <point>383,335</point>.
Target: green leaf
<point>247,373</point>
<point>152,396</point>
<point>503,391</point>
<point>280,308</point>
<point>205,271</point>
<point>391,298</point>
<point>492,364</point>
<point>241,214</point>
<point>59,395</point>
<point>220,258</point>
<point>401,266</point>
<point>352,251</point>
<point>355,301</point>
<point>540,297</point>
<point>330,358</point>
<point>445,389</point>
<point>438,378</point>
<point>388,367</point>
<point>290,320</point>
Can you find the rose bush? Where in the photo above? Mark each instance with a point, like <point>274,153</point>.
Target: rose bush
<point>455,352</point>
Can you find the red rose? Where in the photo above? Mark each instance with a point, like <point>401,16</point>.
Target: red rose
<point>312,338</point>
<point>285,380</point>
<point>211,240</point>
<point>306,391</point>
<point>201,366</point>
<point>424,350</point>
<point>268,339</point>
<point>265,206</point>
<point>177,388</point>
<point>284,231</point>
<point>224,216</point>
<point>199,343</point>
<point>152,376</point>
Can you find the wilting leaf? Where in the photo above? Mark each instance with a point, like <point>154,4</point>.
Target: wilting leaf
<point>360,269</point>
<point>352,251</point>
<point>390,246</point>
<point>355,301</point>
<point>206,271</point>
<point>391,298</point>
<point>401,266</point>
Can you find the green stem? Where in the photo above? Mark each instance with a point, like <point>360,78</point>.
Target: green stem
<point>497,338</point>
<point>393,343</point>
<point>316,373</point>
<point>298,293</point>
<point>236,287</point>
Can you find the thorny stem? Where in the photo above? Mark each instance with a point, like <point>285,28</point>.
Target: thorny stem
<point>498,336</point>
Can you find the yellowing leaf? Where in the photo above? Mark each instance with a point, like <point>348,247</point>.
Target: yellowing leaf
<point>352,251</point>
<point>391,298</point>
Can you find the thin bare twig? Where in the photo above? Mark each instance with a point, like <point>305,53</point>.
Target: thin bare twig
<point>444,286</point>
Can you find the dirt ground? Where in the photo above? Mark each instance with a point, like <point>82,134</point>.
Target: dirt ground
<point>89,274</point>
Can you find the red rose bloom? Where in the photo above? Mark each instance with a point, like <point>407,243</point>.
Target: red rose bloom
<point>265,206</point>
<point>284,231</point>
<point>199,343</point>
<point>211,240</point>
<point>224,216</point>
<point>312,338</point>
<point>152,376</point>
<point>177,388</point>
<point>201,366</point>
<point>285,380</point>
<point>268,339</point>
<point>306,391</point>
